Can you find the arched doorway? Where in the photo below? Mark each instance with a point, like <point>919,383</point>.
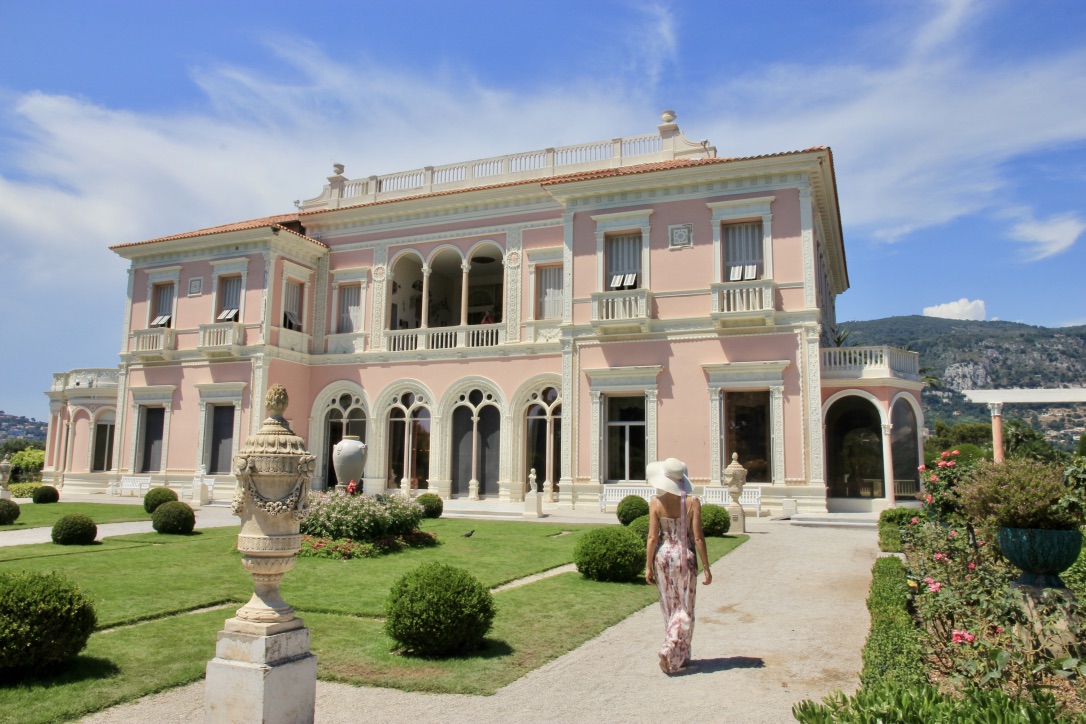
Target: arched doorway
<point>854,464</point>
<point>476,444</point>
<point>905,450</point>
<point>345,416</point>
<point>543,440</point>
<point>408,458</point>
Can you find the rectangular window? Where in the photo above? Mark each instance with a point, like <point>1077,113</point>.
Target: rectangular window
<point>625,439</point>
<point>229,299</point>
<point>103,447</point>
<point>747,432</point>
<point>154,419</point>
<point>162,305</point>
<point>550,293</point>
<point>623,262</point>
<point>292,306</point>
<point>350,302</point>
<point>222,439</point>
<point>744,257</point>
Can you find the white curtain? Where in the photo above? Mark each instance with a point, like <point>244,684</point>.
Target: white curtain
<point>350,298</point>
<point>623,257</point>
<point>229,293</point>
<point>163,300</point>
<point>550,292</point>
<point>743,251</point>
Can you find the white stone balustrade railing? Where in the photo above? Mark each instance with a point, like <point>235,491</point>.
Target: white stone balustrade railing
<point>477,335</point>
<point>85,378</point>
<point>615,153</point>
<point>221,334</point>
<point>621,305</point>
<point>742,297</point>
<point>162,340</point>
<point>870,362</point>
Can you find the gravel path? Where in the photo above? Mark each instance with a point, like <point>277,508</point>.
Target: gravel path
<point>205,518</point>
<point>783,620</point>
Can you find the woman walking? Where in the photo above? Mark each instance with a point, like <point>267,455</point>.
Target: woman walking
<point>670,563</point>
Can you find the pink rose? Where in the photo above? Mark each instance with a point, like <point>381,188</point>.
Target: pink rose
<point>934,587</point>
<point>950,464</point>
<point>929,579</point>
<point>929,497</point>
<point>980,543</point>
<point>922,467</point>
<point>955,453</point>
<point>932,479</point>
<point>953,534</point>
<point>962,637</point>
<point>915,520</point>
<point>999,629</point>
<point>940,556</point>
<point>944,454</point>
<point>942,463</point>
<point>971,566</point>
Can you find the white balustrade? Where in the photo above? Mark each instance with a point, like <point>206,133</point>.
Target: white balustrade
<point>870,362</point>
<point>741,297</point>
<point>85,378</point>
<point>221,334</point>
<point>157,342</point>
<point>437,338</point>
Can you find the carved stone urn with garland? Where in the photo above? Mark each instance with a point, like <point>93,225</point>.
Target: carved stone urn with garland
<point>273,469</point>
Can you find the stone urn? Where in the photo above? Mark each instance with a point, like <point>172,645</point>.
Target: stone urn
<point>349,461</point>
<point>273,469</point>
<point>5,476</point>
<point>1041,554</point>
<point>735,477</point>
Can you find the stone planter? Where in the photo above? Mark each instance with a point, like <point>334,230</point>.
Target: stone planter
<point>1041,554</point>
<point>349,461</point>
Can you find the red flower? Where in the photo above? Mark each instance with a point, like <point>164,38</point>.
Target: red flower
<point>922,467</point>
<point>955,453</point>
<point>944,454</point>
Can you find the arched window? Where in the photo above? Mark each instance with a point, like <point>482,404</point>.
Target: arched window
<point>408,442</point>
<point>854,449</point>
<point>905,450</point>
<point>345,416</point>
<point>543,440</point>
<point>476,444</point>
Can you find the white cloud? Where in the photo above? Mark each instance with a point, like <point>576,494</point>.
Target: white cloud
<point>1048,237</point>
<point>961,309</point>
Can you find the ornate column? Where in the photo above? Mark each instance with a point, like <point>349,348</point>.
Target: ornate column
<point>466,269</point>
<point>263,671</point>
<point>473,484</point>
<point>888,466</point>
<point>996,409</point>
<point>425,296</point>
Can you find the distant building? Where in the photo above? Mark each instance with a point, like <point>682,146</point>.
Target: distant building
<point>578,311</point>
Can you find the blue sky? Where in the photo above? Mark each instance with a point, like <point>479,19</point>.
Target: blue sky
<point>958,130</point>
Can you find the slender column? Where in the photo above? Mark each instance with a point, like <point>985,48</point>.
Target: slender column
<point>425,297</point>
<point>888,466</point>
<point>996,409</point>
<point>473,484</point>
<point>464,294</point>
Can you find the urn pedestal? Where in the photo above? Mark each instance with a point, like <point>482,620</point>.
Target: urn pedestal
<point>263,671</point>
<point>735,477</point>
<point>5,476</point>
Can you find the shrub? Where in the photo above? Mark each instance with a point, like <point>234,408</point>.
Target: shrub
<point>892,650</point>
<point>1020,493</point>
<point>27,464</point>
<point>432,505</point>
<point>44,621</point>
<point>360,517</point>
<point>45,494</point>
<point>74,529</point>
<point>1075,576</point>
<point>631,507</point>
<point>612,553</point>
<point>9,511</point>
<point>715,521</point>
<point>438,610</point>
<point>156,497</point>
<point>641,527</point>
<point>891,521</point>
<point>23,490</point>
<point>175,518</point>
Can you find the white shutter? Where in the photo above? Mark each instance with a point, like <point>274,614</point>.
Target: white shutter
<point>349,302</point>
<point>550,292</point>
<point>743,251</point>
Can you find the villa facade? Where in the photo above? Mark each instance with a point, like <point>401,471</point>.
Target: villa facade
<point>575,311</point>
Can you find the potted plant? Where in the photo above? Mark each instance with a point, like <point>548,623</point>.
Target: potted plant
<point>1037,508</point>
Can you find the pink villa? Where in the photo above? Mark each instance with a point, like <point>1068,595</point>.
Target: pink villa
<point>576,311</point>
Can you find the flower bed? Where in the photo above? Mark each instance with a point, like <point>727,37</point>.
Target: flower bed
<point>346,549</point>
<point>358,526</point>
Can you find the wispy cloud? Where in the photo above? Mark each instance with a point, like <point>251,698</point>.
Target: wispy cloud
<point>961,309</point>
<point>1048,237</point>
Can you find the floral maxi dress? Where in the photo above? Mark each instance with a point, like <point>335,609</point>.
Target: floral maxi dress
<point>678,587</point>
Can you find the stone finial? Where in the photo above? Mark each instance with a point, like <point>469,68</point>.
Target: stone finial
<point>667,116</point>
<point>276,401</point>
<point>337,169</point>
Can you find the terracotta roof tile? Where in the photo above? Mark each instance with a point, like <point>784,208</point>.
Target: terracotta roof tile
<point>270,221</point>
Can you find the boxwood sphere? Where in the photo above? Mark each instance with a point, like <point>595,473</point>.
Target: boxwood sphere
<point>630,508</point>
<point>156,497</point>
<point>174,517</point>
<point>715,521</point>
<point>612,553</point>
<point>46,494</point>
<point>432,505</point>
<point>44,621</point>
<point>74,529</point>
<point>9,511</point>
<point>641,527</point>
<point>438,610</point>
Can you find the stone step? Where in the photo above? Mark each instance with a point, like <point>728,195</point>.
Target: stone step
<point>859,521</point>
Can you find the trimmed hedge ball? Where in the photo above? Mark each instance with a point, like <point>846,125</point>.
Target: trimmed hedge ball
<point>44,621</point>
<point>9,511</point>
<point>641,527</point>
<point>715,521</point>
<point>45,494</point>
<point>174,518</point>
<point>74,529</point>
<point>432,505</point>
<point>612,553</point>
<point>438,610</point>
<point>630,508</point>
<point>156,497</point>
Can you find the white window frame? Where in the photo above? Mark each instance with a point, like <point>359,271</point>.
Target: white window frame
<point>228,268</point>
<point>743,377</point>
<point>161,276</point>
<point>104,416</point>
<point>626,382</point>
<point>625,222</point>
<point>738,210</point>
<point>151,396</point>
<point>348,277</point>
<point>211,394</point>
<point>301,275</point>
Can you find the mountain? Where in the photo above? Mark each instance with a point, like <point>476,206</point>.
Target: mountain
<point>964,355</point>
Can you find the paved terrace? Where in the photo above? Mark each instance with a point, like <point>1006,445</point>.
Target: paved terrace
<point>783,620</point>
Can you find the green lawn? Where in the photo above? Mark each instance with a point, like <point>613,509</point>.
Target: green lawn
<point>152,580</point>
<point>43,515</point>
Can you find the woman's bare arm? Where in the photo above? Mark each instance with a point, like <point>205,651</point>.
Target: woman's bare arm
<point>653,541</point>
<point>699,540</point>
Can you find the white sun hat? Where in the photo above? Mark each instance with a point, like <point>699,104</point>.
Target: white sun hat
<point>669,476</point>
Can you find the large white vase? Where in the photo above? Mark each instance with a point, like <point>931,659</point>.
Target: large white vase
<point>349,461</point>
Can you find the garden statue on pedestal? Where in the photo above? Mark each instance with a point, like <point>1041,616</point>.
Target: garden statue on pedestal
<point>5,476</point>
<point>735,477</point>
<point>263,670</point>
